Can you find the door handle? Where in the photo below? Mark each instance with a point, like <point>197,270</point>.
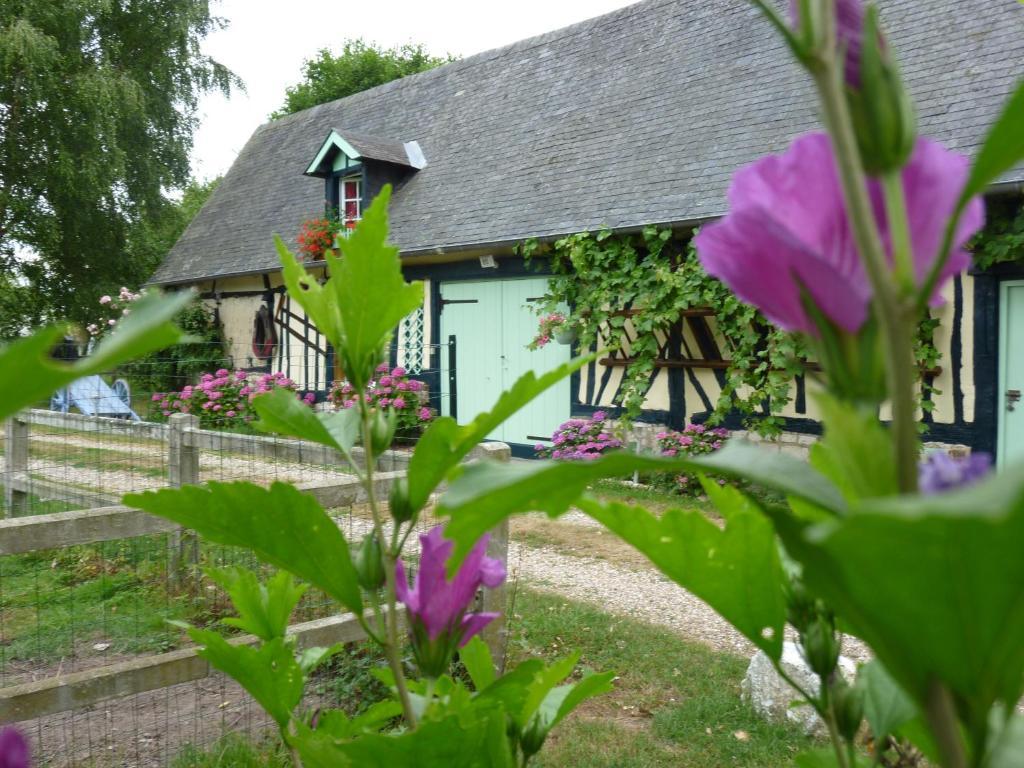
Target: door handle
<point>1012,398</point>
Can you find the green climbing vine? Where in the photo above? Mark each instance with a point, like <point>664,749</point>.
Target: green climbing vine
<point>628,290</point>
<point>1002,239</point>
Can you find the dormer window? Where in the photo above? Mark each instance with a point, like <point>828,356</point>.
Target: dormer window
<point>350,200</point>
<point>354,167</point>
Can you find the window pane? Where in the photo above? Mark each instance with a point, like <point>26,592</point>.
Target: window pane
<point>351,190</point>
<point>351,209</point>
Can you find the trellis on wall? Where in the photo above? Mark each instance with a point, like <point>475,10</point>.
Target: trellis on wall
<point>411,342</point>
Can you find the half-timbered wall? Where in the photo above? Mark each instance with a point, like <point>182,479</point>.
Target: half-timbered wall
<point>679,394</point>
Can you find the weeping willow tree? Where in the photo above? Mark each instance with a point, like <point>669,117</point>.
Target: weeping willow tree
<point>98,106</point>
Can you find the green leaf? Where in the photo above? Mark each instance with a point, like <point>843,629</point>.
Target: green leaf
<point>444,444</point>
<point>282,525</point>
<point>541,686</point>
<point>934,584</point>
<point>476,656</point>
<point>269,673</point>
<point>311,658</point>
<point>366,296</point>
<point>464,741</point>
<point>29,375</point>
<point>561,701</point>
<point>886,706</point>
<point>282,412</point>
<point>486,493</point>
<point>512,688</point>
<point>263,610</point>
<point>1003,147</point>
<point>735,570</point>
<point>856,452</point>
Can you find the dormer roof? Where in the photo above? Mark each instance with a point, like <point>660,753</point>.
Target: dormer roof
<point>343,148</point>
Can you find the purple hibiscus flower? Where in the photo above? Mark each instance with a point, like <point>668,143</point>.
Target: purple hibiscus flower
<point>14,751</point>
<point>437,608</point>
<point>939,472</point>
<point>787,230</point>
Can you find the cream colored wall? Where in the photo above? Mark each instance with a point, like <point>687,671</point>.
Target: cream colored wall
<point>236,317</point>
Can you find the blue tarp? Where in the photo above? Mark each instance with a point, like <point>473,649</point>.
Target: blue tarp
<point>94,397</point>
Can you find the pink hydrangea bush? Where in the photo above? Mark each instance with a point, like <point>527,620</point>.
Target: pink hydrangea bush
<point>694,440</point>
<point>581,439</point>
<point>222,400</point>
<point>391,388</point>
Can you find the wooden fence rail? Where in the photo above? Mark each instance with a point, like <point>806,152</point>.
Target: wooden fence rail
<point>105,522</point>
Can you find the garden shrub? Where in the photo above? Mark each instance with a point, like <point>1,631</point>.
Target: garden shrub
<point>222,400</point>
<point>391,388</point>
<point>581,439</point>
<point>694,440</point>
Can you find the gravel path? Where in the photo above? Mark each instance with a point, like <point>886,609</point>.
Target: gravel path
<point>640,593</point>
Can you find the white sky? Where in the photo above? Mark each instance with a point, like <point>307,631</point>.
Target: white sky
<point>267,41</point>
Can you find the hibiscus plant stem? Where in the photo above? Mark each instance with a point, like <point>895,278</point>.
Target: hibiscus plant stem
<point>391,644</point>
<point>896,217</point>
<point>941,716</point>
<point>827,711</point>
<point>895,319</point>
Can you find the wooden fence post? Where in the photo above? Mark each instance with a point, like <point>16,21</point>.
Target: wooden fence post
<point>182,469</point>
<point>495,634</point>
<point>16,497</point>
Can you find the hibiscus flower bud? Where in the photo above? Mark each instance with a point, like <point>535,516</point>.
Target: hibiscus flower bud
<point>882,112</point>
<point>821,647</point>
<point>368,561</point>
<point>848,704</point>
<point>382,430</point>
<point>849,21</point>
<point>398,501</point>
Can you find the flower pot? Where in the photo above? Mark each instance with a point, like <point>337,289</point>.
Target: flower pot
<point>566,336</point>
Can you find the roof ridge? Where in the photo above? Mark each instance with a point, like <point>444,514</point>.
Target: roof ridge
<point>478,58</point>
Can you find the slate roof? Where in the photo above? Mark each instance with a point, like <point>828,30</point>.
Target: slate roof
<point>636,117</point>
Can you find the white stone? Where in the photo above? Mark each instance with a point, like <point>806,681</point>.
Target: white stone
<point>775,700</point>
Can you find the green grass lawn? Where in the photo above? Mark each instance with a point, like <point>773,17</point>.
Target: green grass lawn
<point>675,703</point>
<point>57,604</point>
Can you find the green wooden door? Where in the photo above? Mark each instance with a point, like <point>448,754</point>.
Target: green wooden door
<point>492,322</point>
<point>1011,372</point>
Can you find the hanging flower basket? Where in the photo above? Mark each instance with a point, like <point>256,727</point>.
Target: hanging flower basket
<point>566,335</point>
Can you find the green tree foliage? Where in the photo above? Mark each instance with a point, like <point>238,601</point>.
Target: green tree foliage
<point>150,241</point>
<point>97,111</point>
<point>19,308</point>
<point>360,66</point>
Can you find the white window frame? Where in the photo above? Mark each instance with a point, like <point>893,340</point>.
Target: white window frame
<point>343,201</point>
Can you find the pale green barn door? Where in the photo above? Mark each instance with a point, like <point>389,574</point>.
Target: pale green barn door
<point>1011,372</point>
<point>536,422</point>
<point>471,312</point>
<point>492,322</point>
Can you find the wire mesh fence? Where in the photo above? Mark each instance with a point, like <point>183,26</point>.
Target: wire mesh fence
<point>71,616</point>
<point>107,435</point>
